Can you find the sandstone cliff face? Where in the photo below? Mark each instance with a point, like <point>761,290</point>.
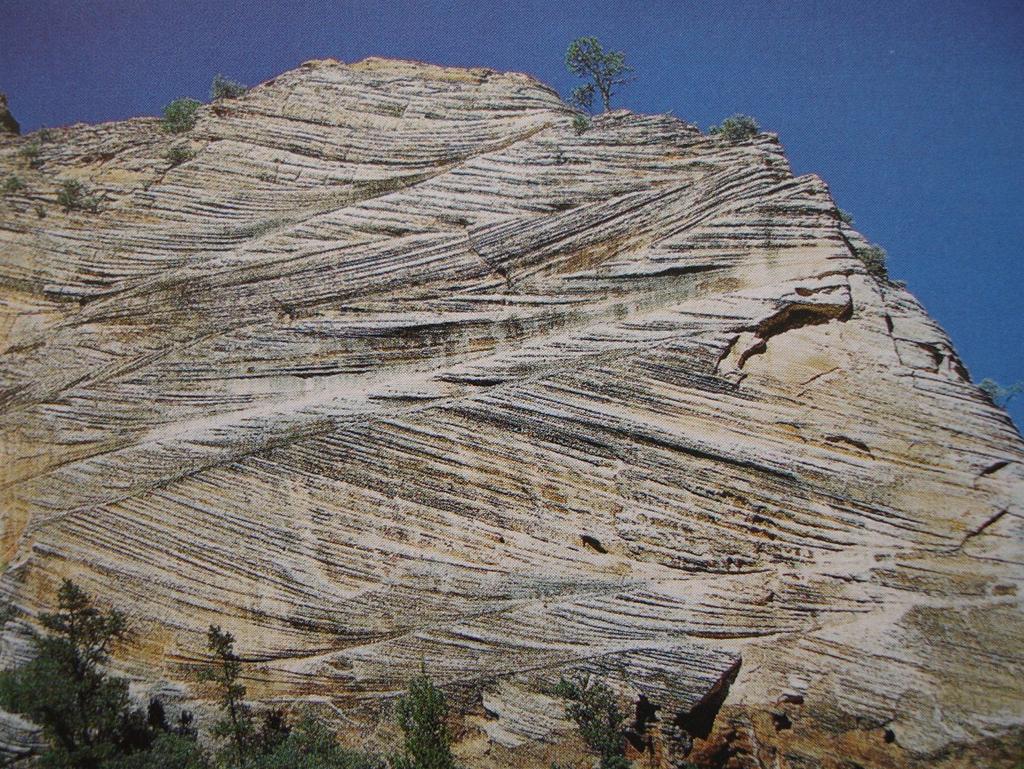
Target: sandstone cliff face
<point>399,368</point>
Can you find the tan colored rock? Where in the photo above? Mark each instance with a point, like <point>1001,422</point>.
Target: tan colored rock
<point>400,368</point>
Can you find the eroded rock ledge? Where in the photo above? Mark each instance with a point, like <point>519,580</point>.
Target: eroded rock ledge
<point>398,367</point>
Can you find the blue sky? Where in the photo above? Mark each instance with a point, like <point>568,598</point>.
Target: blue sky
<point>912,111</point>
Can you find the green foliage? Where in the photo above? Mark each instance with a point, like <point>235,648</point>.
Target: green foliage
<point>71,196</point>
<point>736,128</point>
<point>874,260</point>
<point>223,88</point>
<point>999,394</point>
<point>31,153</point>
<point>594,708</point>
<point>845,217</point>
<point>586,58</point>
<point>180,115</point>
<point>421,716</point>
<point>580,124</point>
<point>85,715</point>
<point>237,725</point>
<point>12,184</point>
<point>178,154</point>
<point>583,97</point>
<point>310,745</point>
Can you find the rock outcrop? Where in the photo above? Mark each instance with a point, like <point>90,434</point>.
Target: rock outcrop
<point>7,122</point>
<point>389,365</point>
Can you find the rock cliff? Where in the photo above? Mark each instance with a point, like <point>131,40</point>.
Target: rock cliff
<point>388,366</point>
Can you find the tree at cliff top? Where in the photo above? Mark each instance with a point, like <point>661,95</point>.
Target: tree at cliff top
<point>588,59</point>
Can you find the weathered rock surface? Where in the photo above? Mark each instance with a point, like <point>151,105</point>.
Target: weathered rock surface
<point>399,368</point>
<point>7,122</point>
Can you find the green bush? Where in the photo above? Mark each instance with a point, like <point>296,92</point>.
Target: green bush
<point>31,153</point>
<point>736,128</point>
<point>180,115</point>
<point>594,708</point>
<point>580,124</point>
<point>999,394</point>
<point>71,196</point>
<point>874,258</point>
<point>178,154</point>
<point>12,184</point>
<point>310,745</point>
<point>421,716</point>
<point>223,88</point>
<point>845,217</point>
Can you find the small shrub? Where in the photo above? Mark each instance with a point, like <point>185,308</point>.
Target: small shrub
<point>736,128</point>
<point>311,745</point>
<point>71,196</point>
<point>223,88</point>
<point>845,217</point>
<point>999,394</point>
<point>421,716</point>
<point>31,153</point>
<point>180,115</point>
<point>594,708</point>
<point>46,135</point>
<point>40,211</point>
<point>12,184</point>
<point>580,124</point>
<point>874,260</point>
<point>178,154</point>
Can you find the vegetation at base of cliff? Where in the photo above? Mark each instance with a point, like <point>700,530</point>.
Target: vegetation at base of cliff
<point>592,705</point>
<point>71,196</point>
<point>223,88</point>
<point>180,115</point>
<point>421,715</point>
<point>88,720</point>
<point>736,128</point>
<point>606,70</point>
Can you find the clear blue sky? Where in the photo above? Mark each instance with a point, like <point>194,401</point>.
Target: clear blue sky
<point>912,110</point>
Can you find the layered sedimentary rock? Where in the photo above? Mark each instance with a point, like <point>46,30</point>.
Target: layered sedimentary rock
<point>391,367</point>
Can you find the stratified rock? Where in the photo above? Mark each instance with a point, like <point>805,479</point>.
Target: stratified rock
<point>398,368</point>
<point>7,122</point>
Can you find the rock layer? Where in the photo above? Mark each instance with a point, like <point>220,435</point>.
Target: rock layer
<point>396,368</point>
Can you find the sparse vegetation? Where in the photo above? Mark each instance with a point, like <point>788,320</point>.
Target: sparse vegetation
<point>30,152</point>
<point>736,128</point>
<point>12,184</point>
<point>71,196</point>
<point>580,124</point>
<point>586,58</point>
<point>178,154</point>
<point>180,115</point>
<point>223,88</point>
<point>845,217</point>
<point>874,258</point>
<point>999,394</point>
<point>594,708</point>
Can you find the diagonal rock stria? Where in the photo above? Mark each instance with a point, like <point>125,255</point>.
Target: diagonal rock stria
<point>399,368</point>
